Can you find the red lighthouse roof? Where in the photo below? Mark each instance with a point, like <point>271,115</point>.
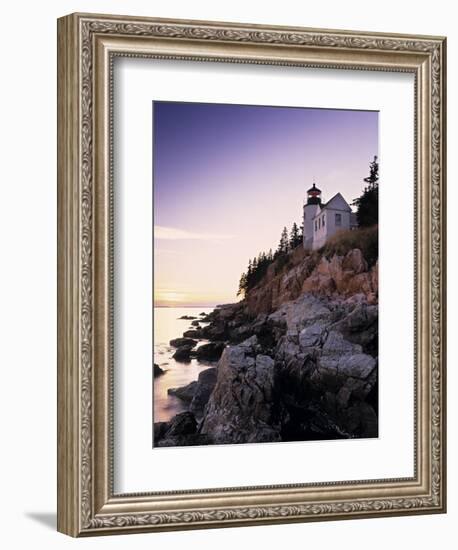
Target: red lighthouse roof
<point>314,191</point>
<point>314,195</point>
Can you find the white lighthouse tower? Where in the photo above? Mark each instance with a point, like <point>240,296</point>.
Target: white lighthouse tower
<point>311,208</point>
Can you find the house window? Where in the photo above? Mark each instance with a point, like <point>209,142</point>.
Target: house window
<point>338,220</point>
<point>316,225</point>
<point>319,223</point>
<point>323,221</point>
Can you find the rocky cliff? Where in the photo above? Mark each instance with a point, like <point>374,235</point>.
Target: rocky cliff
<point>299,358</point>
<point>337,276</point>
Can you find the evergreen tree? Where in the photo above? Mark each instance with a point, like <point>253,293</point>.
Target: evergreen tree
<point>367,203</point>
<point>249,270</point>
<point>294,238</point>
<point>283,245</point>
<point>242,285</point>
<point>279,249</point>
<point>372,178</point>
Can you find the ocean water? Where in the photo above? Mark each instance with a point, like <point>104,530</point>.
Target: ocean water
<point>167,326</point>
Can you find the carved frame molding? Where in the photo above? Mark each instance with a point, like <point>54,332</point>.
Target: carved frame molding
<point>87,46</point>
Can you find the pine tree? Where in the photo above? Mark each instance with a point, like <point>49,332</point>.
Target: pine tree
<point>367,203</point>
<point>284,243</point>
<point>372,178</point>
<point>294,236</point>
<point>242,285</point>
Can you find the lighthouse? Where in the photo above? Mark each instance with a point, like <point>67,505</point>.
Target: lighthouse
<point>311,208</point>
<point>322,221</point>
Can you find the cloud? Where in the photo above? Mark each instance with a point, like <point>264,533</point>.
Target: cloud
<point>174,234</point>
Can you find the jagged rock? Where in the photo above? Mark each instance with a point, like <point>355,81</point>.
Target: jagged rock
<point>296,315</point>
<point>216,330</point>
<point>251,345</point>
<point>311,335</point>
<point>357,365</point>
<point>180,431</point>
<point>179,342</point>
<point>187,317</point>
<point>205,384</point>
<point>228,311</point>
<point>228,322</point>
<point>211,351</point>
<point>193,333</point>
<point>183,354</point>
<point>240,408</point>
<point>320,284</point>
<point>240,333</point>
<point>361,327</point>
<point>195,323</point>
<point>335,344</point>
<point>182,424</point>
<point>354,261</point>
<point>185,393</point>
<point>157,371</point>
<point>197,393</point>
<point>160,429</point>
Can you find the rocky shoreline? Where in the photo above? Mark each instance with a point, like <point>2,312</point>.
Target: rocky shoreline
<point>301,366</point>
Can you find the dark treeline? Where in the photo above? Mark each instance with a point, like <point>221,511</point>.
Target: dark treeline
<point>257,267</point>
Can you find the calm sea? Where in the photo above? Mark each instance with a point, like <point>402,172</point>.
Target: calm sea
<point>167,326</point>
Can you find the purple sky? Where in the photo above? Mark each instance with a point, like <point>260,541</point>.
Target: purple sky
<point>227,178</point>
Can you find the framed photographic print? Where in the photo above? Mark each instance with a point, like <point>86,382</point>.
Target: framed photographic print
<point>251,274</point>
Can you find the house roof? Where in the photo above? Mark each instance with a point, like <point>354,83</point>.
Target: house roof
<point>336,203</point>
<point>333,203</point>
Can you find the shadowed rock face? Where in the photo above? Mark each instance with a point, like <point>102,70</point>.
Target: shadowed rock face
<point>182,354</point>
<point>240,409</point>
<point>179,342</point>
<point>211,351</point>
<point>180,431</point>
<point>206,382</point>
<point>322,374</point>
<point>157,371</point>
<point>197,393</point>
<point>185,393</point>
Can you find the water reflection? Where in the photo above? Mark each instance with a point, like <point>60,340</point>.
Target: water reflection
<point>167,326</point>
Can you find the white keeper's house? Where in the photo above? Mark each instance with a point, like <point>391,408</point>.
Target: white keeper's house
<point>321,220</point>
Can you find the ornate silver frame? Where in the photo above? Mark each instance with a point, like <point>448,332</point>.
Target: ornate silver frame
<point>87,44</point>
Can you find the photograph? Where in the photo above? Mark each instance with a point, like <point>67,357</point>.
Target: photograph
<point>265,274</point>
